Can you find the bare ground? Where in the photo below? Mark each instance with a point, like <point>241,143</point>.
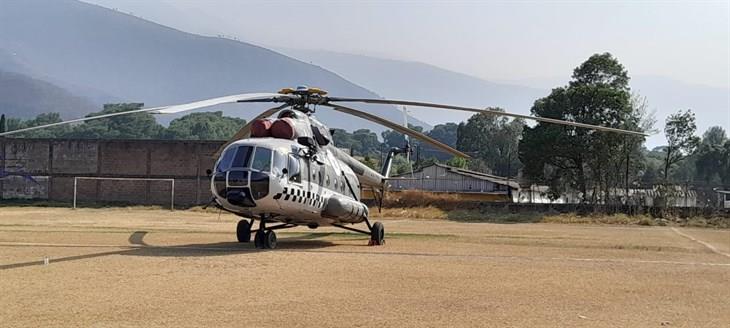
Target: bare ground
<point>140,267</point>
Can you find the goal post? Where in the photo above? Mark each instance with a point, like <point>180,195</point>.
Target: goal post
<point>171,181</point>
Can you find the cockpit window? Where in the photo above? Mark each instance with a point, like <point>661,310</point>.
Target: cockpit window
<point>262,160</point>
<point>279,163</point>
<point>294,170</point>
<point>235,157</point>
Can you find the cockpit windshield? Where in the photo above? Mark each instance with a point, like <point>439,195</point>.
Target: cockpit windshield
<point>262,160</point>
<point>235,157</point>
<point>256,158</point>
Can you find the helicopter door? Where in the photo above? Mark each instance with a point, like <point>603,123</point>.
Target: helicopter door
<point>295,185</point>
<point>310,185</point>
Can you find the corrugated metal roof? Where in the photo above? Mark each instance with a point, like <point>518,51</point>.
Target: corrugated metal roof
<point>472,174</point>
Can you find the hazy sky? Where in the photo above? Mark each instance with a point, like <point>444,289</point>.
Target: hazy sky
<point>496,40</point>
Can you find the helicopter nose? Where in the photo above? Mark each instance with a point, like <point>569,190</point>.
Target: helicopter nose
<point>241,187</point>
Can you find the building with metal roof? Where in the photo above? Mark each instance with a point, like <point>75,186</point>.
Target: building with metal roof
<point>447,179</point>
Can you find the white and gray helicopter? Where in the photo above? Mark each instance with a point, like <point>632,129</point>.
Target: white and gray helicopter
<point>282,167</point>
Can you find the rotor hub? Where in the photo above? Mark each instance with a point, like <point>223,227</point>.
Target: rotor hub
<point>306,97</point>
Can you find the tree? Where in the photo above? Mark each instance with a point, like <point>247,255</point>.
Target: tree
<point>132,126</point>
<point>681,141</point>
<point>590,161</point>
<point>2,123</point>
<point>445,133</point>
<point>40,119</point>
<point>493,140</point>
<point>365,142</point>
<point>711,160</point>
<point>204,126</point>
<point>457,162</point>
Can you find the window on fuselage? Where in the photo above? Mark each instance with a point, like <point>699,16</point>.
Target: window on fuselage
<point>262,160</point>
<point>295,174</point>
<point>280,163</point>
<point>235,157</point>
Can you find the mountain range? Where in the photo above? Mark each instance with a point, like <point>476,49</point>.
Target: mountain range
<point>77,56</point>
<point>108,56</point>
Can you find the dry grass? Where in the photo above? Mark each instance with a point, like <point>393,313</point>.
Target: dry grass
<point>621,219</point>
<point>159,268</point>
<point>413,198</point>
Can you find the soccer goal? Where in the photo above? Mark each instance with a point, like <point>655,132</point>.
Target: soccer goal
<point>171,181</point>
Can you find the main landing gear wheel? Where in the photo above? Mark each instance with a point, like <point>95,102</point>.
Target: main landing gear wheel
<point>243,231</point>
<point>265,239</point>
<point>270,240</point>
<point>258,240</point>
<point>377,234</point>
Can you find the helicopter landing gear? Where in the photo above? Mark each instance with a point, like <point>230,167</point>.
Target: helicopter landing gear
<point>265,238</point>
<point>243,231</point>
<point>377,234</point>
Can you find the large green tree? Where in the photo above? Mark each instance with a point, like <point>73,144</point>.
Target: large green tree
<point>681,141</point>
<point>712,160</point>
<point>132,126</point>
<point>203,126</point>
<point>493,140</point>
<point>41,119</point>
<point>586,160</point>
<point>446,133</point>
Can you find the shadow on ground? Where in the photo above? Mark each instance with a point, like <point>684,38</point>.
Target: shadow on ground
<point>138,247</point>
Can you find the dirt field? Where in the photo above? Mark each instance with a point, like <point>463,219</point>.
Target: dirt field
<point>150,268</point>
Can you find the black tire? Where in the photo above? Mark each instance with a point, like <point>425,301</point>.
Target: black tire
<point>377,234</point>
<point>243,231</point>
<point>259,239</point>
<point>270,240</point>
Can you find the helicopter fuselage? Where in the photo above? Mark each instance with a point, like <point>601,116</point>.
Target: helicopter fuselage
<point>281,180</point>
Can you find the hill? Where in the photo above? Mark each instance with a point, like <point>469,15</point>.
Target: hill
<point>419,81</point>
<point>89,47</point>
<point>25,97</point>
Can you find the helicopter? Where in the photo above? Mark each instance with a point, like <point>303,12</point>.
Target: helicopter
<point>283,170</point>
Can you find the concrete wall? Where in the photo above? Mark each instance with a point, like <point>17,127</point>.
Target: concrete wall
<point>45,169</point>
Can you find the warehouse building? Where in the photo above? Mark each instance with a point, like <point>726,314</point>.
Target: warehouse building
<point>447,179</point>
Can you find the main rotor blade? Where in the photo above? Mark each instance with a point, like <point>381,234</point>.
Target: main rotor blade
<point>245,131</point>
<point>488,111</point>
<point>412,133</point>
<point>246,97</point>
<point>82,120</point>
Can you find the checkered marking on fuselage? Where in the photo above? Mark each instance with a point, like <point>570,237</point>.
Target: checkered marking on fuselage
<point>300,196</point>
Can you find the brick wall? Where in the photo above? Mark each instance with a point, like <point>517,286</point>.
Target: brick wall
<point>45,169</point>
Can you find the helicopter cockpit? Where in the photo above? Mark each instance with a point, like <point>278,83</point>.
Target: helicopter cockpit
<point>244,172</point>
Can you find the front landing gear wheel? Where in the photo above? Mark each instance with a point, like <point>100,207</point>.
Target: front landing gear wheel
<point>243,231</point>
<point>377,234</point>
<point>270,240</point>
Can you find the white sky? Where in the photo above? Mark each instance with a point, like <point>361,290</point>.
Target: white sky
<point>494,40</point>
